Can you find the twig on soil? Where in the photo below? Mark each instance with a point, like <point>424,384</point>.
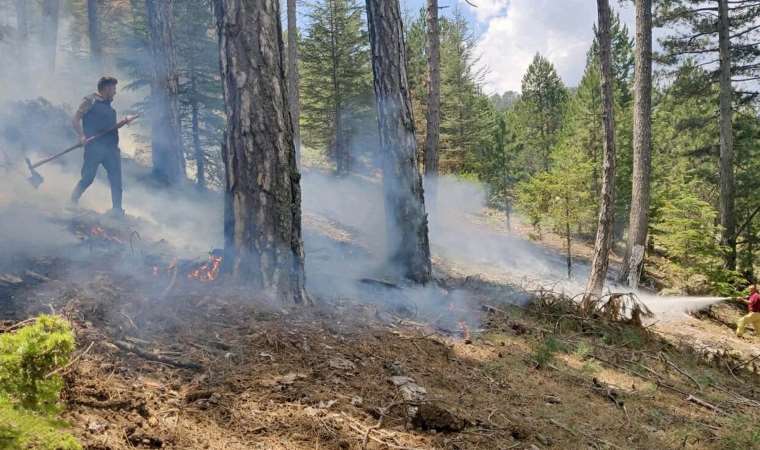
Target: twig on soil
<point>754,358</point>
<point>681,371</point>
<point>107,404</point>
<point>564,427</point>
<point>131,322</point>
<point>356,426</point>
<point>126,346</point>
<point>584,434</point>
<point>658,381</point>
<point>383,412</point>
<point>705,404</point>
<point>71,363</point>
<point>18,325</point>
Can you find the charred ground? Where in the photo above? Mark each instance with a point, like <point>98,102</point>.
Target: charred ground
<point>169,360</point>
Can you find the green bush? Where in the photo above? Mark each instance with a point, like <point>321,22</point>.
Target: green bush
<point>543,354</point>
<point>28,396</point>
<point>23,429</point>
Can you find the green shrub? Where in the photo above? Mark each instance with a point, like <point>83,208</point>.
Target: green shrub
<point>22,429</point>
<point>31,353</point>
<point>544,352</point>
<point>28,396</point>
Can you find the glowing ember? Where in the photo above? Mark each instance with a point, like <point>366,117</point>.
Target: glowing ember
<point>209,271</point>
<point>98,232</point>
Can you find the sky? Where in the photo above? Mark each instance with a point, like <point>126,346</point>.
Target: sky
<point>510,32</point>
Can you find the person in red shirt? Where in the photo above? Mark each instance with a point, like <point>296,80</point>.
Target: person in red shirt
<point>753,318</point>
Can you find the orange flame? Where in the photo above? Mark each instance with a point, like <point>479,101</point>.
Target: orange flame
<point>101,233</point>
<point>209,271</point>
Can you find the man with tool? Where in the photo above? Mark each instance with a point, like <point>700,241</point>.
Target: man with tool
<point>94,117</point>
<point>753,317</point>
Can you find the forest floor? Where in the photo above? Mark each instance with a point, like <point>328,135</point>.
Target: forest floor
<point>168,361</point>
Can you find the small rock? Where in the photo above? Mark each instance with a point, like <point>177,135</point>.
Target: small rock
<point>434,417</point>
<point>394,368</point>
<point>401,380</point>
<point>410,391</point>
<point>96,427</point>
<point>552,399</point>
<point>341,364</point>
<point>290,378</point>
<point>357,401</point>
<point>327,404</point>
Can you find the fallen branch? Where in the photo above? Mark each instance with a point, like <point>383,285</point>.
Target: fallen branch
<point>71,363</point>
<point>126,346</point>
<point>754,358</point>
<point>705,404</point>
<point>564,427</point>
<point>107,404</point>
<point>689,397</point>
<point>681,371</point>
<point>356,426</point>
<point>18,325</point>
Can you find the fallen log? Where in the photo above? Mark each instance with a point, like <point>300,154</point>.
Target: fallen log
<point>150,356</point>
<point>10,280</point>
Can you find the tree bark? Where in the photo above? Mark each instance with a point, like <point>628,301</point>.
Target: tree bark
<point>50,13</point>
<point>200,158</point>
<point>93,31</point>
<point>339,150</point>
<point>433,118</point>
<point>402,183</point>
<point>727,213</point>
<point>166,141</point>
<point>263,206</point>
<point>603,241</point>
<point>568,239</point>
<point>642,146</point>
<point>293,89</point>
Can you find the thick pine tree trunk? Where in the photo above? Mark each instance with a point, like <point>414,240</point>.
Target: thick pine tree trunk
<point>293,90</point>
<point>402,183</point>
<point>93,31</point>
<point>642,147</point>
<point>603,241</point>
<point>727,213</point>
<point>433,118</point>
<point>263,202</point>
<point>50,13</point>
<point>166,141</point>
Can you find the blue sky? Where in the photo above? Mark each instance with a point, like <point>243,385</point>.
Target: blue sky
<point>511,32</point>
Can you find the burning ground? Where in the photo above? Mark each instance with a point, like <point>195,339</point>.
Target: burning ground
<point>171,358</point>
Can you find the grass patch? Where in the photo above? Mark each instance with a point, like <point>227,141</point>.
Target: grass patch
<point>21,428</point>
<point>544,353</point>
<point>29,396</point>
<point>741,433</point>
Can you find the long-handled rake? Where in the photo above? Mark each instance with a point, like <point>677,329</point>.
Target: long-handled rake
<point>36,179</point>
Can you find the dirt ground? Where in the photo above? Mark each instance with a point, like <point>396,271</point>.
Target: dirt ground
<point>164,361</point>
